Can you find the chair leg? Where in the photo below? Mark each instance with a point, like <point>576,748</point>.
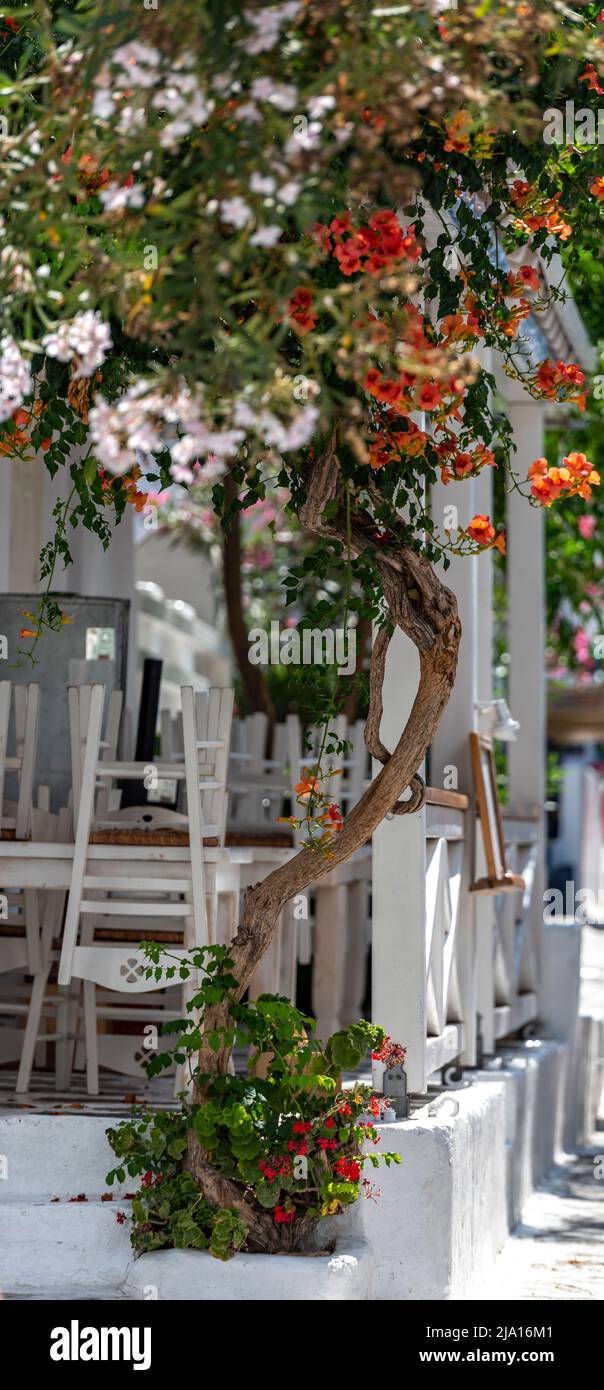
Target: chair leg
<point>53,908</point>
<point>32,931</point>
<point>90,1033</point>
<point>69,1049</point>
<point>32,1029</point>
<point>67,1025</point>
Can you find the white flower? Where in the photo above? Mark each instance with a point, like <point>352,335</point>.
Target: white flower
<point>84,339</point>
<point>267,24</point>
<point>184,451</point>
<point>279,94</point>
<point>307,137</point>
<point>58,344</point>
<point>319,106</point>
<point>249,112</point>
<point>289,193</point>
<point>13,263</point>
<point>130,118</point>
<point>295,436</point>
<point>109,447</point>
<point>139,63</point>
<point>224,444</point>
<point>142,435</point>
<point>183,99</point>
<point>243,414</point>
<point>33,140</point>
<point>342,133</point>
<point>117,196</point>
<point>182,474</point>
<point>103,104</point>
<point>15,378</point>
<point>212,468</point>
<point>235,212</point>
<point>260,184</point>
<point>265,236</point>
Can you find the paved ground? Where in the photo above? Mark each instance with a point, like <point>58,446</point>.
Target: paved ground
<point>558,1250</point>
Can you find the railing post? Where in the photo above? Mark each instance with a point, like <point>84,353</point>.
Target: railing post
<point>471,581</point>
<point>526,643</point>
<point>399,890</point>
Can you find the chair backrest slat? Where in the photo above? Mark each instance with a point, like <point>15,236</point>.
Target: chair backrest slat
<point>79,705</point>
<point>26,704</point>
<point>20,698</point>
<point>25,798</point>
<point>106,796</point>
<point>5,694</point>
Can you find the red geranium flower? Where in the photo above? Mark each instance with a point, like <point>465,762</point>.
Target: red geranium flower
<point>283,1216</point>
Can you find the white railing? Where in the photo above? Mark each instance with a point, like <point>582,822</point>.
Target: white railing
<point>451,970</point>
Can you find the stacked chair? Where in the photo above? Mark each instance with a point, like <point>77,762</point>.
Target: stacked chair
<point>99,877</point>
<point>135,873</point>
<point>20,910</point>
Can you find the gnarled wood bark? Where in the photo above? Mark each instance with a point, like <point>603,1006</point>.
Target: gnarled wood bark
<point>423,607</point>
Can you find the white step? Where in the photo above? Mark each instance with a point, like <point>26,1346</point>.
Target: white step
<point>80,1293</point>
<point>62,1246</point>
<point>46,1156</point>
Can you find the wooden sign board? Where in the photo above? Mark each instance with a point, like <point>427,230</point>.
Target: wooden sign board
<point>498,878</point>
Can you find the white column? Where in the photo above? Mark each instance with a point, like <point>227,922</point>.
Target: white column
<point>526,618</point>
<point>399,885</point>
<point>26,524</point>
<point>526,642</point>
<point>100,573</point>
<point>471,579</point>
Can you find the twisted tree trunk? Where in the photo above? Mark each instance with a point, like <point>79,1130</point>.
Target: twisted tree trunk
<point>425,609</point>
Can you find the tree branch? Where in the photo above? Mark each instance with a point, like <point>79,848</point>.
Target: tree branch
<point>426,610</point>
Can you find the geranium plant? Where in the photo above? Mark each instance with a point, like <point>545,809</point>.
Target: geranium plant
<point>284,1144</point>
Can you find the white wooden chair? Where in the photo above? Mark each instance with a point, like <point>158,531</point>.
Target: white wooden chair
<point>64,1002</point>
<point>26,703</point>
<point>177,885</point>
<point>79,700</point>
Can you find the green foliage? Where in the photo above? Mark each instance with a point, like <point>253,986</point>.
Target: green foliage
<point>227,201</point>
<point>291,1141</point>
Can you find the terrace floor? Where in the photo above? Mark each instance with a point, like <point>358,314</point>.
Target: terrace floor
<point>557,1251</point>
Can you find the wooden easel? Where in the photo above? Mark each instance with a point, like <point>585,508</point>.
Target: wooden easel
<point>498,879</point>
